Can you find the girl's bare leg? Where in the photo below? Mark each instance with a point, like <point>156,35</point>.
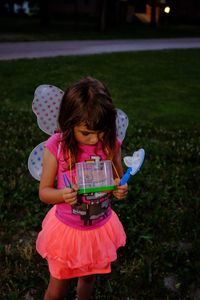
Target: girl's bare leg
<point>57,289</point>
<point>85,287</point>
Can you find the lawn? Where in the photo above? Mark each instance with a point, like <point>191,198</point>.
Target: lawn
<point>159,91</point>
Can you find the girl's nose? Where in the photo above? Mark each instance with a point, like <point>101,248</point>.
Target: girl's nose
<point>94,138</point>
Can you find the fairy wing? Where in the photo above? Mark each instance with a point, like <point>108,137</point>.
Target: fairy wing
<point>46,104</point>
<point>121,124</point>
<point>35,161</point>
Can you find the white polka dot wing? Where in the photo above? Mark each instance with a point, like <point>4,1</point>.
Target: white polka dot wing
<point>46,103</point>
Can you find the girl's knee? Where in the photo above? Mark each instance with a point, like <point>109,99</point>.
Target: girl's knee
<point>56,290</point>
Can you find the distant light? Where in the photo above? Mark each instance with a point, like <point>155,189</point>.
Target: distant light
<point>167,9</point>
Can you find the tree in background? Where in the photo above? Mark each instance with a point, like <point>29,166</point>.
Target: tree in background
<point>44,12</point>
<point>109,13</point>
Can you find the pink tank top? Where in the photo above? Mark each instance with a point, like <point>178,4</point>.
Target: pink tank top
<point>92,210</point>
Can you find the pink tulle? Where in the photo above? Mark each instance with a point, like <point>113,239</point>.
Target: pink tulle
<point>72,253</point>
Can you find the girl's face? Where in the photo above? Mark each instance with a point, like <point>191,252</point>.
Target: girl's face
<point>85,136</point>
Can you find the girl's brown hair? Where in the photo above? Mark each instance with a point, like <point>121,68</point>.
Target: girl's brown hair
<point>87,101</point>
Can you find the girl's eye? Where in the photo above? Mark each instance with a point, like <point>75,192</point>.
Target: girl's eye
<point>85,133</point>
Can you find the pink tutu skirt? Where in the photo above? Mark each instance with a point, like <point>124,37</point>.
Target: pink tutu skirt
<point>71,252</point>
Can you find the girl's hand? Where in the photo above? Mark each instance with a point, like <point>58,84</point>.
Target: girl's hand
<point>70,195</point>
<point>121,190</point>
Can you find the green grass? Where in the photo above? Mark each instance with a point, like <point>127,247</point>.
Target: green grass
<point>159,91</point>
<point>158,86</point>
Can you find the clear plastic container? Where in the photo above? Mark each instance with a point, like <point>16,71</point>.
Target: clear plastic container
<point>94,176</point>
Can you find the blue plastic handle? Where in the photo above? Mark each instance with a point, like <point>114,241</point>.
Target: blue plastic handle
<point>126,177</point>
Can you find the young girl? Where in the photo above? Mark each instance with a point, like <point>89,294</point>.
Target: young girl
<point>80,237</point>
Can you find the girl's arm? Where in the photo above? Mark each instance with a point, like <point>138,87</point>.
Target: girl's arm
<point>47,192</point>
<point>121,191</point>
